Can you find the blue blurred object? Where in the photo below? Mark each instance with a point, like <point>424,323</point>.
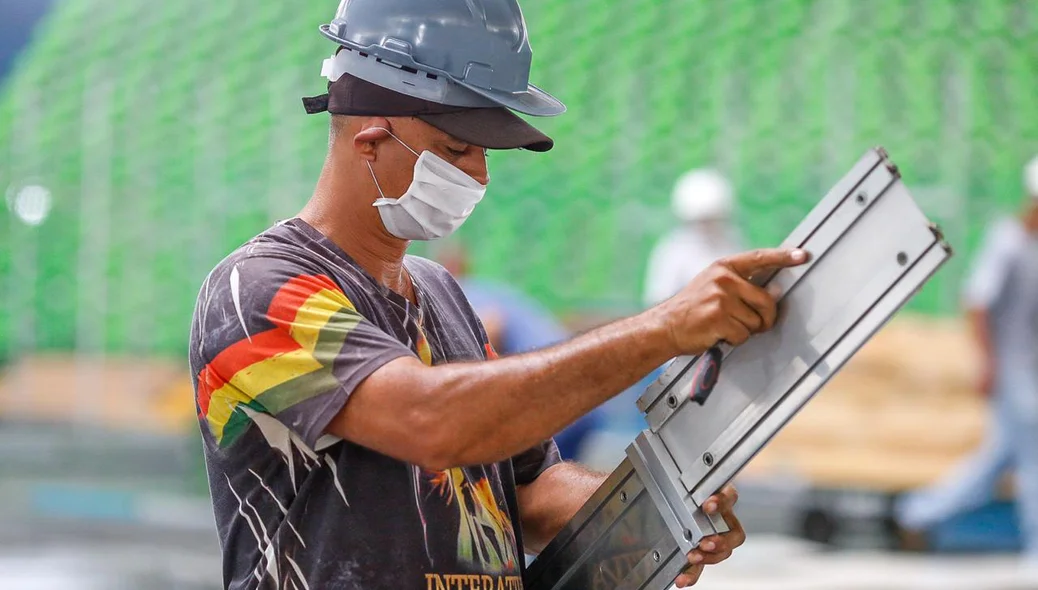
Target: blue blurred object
<point>526,324</point>
<point>56,500</point>
<point>990,528</point>
<point>17,19</point>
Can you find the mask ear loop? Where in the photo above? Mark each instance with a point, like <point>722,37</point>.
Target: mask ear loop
<point>399,140</point>
<point>372,171</point>
<point>373,177</point>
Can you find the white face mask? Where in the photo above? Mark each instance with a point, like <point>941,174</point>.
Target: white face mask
<point>439,200</point>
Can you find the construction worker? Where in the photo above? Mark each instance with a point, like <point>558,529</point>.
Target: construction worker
<point>1002,301</point>
<point>702,201</point>
<point>358,431</point>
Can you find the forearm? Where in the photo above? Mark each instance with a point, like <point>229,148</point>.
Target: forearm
<point>980,327</point>
<point>501,408</point>
<point>551,500</point>
<point>476,413</point>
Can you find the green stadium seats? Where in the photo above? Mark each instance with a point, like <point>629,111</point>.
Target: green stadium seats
<point>187,115</point>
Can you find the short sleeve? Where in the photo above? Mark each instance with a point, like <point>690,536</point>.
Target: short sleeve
<point>275,338</point>
<point>992,265</point>
<point>530,464</point>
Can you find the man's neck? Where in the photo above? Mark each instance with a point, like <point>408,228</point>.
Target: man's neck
<point>337,212</point>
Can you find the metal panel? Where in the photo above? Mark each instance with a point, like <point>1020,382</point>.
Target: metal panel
<point>872,249</point>
<point>840,287</point>
<point>607,540</point>
<point>768,426</point>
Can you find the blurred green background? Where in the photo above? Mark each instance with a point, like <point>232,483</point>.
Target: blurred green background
<point>168,133</point>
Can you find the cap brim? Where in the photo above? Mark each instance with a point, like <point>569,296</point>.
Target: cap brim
<point>496,129</point>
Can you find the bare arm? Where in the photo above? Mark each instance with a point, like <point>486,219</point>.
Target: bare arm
<point>472,413</point>
<point>551,500</point>
<point>981,329</point>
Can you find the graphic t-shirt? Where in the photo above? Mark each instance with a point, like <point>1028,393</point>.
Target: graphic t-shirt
<point>285,328</point>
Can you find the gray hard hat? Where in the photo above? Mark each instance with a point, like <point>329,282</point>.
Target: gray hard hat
<point>466,53</point>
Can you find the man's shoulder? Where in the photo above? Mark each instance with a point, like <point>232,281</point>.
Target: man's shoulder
<point>429,272</point>
<point>268,280</point>
<point>281,253</point>
<point>276,264</point>
<point>439,282</point>
<point>1005,235</point>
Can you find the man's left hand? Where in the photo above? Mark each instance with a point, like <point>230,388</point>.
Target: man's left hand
<point>717,548</point>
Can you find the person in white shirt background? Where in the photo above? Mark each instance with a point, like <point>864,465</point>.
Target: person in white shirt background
<point>1001,298</point>
<point>703,202</point>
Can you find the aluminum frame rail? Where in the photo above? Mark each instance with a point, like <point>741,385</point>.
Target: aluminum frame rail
<point>871,250</point>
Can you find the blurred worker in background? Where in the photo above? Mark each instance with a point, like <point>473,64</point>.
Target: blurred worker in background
<point>1002,301</point>
<point>703,202</point>
<point>516,323</point>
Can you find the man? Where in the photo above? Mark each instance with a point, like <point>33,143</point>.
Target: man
<point>358,432</point>
<point>1002,301</point>
<point>702,201</point>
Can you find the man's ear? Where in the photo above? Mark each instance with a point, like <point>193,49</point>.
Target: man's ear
<point>372,131</point>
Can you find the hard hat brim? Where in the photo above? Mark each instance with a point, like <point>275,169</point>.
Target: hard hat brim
<point>534,101</point>
<point>494,128</point>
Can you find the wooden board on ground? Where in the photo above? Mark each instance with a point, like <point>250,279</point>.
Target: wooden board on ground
<point>134,394</point>
<point>900,415</point>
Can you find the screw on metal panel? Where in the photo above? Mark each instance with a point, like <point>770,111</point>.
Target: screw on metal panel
<point>656,556</point>
<point>902,258</point>
<point>623,496</point>
<point>672,401</point>
<point>708,459</point>
<point>688,535</point>
<point>862,198</point>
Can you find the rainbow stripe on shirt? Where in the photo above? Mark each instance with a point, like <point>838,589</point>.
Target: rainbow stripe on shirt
<point>283,366</point>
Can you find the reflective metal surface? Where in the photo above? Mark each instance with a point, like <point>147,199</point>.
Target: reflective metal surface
<point>836,291</point>
<point>613,533</point>
<point>872,249</point>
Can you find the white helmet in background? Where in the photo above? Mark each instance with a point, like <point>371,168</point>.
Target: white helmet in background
<point>1031,178</point>
<point>702,194</point>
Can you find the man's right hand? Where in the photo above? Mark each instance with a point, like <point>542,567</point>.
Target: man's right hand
<point>721,304</point>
